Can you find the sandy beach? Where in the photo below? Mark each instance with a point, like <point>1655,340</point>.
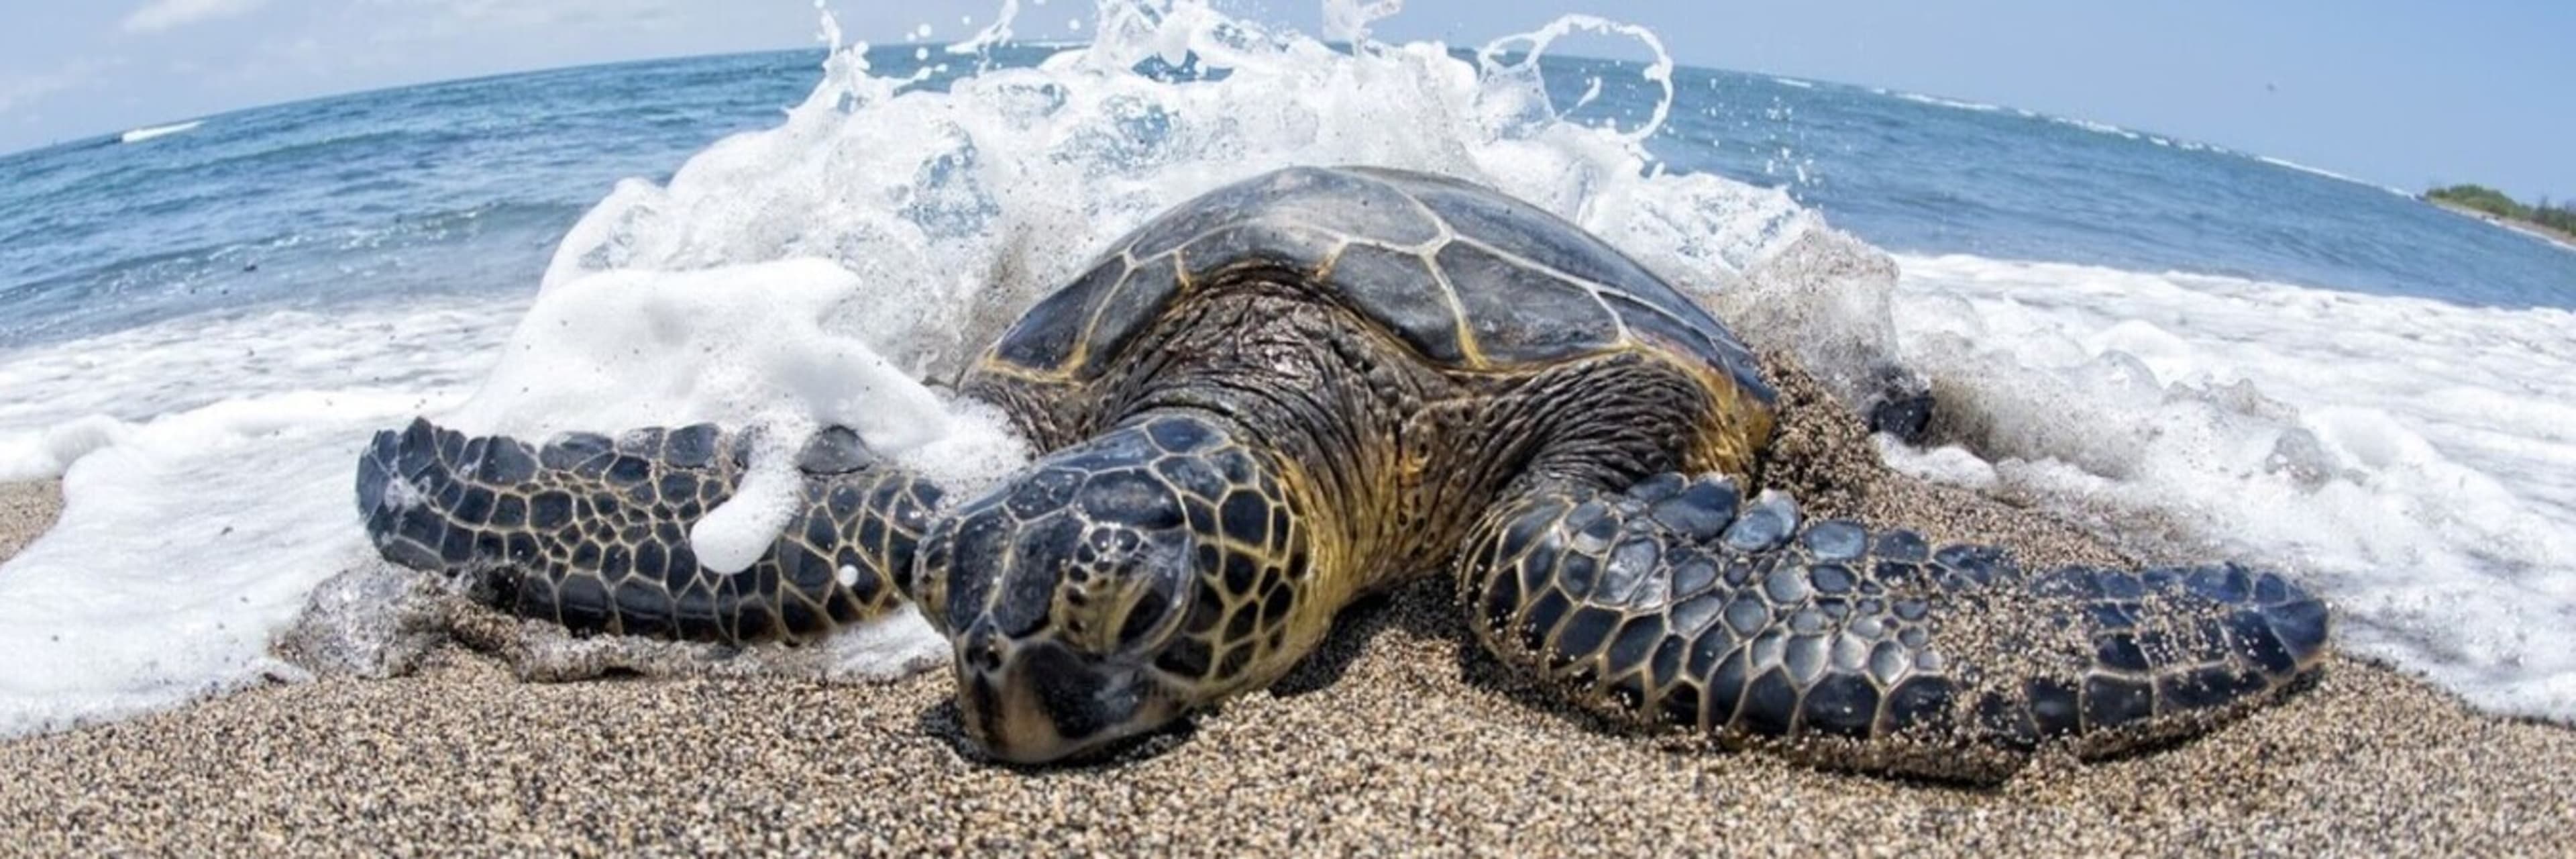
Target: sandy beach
<point>1399,738</point>
<point>2542,232</point>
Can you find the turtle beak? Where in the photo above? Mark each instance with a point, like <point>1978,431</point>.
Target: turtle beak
<point>1039,702</point>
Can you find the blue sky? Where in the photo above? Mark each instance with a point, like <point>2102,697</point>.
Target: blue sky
<point>2398,93</point>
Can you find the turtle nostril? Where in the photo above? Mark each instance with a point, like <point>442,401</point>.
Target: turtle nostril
<point>983,650</point>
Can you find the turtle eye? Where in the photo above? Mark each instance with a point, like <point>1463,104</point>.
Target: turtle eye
<point>1120,589</point>
<point>1150,610</point>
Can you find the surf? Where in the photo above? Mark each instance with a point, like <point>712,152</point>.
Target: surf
<point>156,132</point>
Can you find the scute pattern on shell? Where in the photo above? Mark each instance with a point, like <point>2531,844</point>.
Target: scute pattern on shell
<point>1465,276</point>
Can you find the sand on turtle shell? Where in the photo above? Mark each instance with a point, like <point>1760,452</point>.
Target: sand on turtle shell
<point>1398,737</point>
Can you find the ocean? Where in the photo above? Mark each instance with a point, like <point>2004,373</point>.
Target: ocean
<point>200,322</point>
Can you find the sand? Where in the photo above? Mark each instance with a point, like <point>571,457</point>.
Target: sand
<point>1400,737</point>
<point>26,510</point>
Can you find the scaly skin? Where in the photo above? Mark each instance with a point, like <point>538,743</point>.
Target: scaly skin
<point>592,533</point>
<point>1658,603</point>
<point>1244,512</point>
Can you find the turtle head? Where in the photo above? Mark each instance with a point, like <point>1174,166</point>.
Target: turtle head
<point>1113,587</point>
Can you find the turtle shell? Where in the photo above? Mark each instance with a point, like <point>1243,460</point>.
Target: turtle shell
<point>1466,276</point>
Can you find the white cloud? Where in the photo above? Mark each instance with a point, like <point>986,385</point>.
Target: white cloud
<point>29,89</point>
<point>160,15</point>
<point>449,17</point>
<point>22,90</point>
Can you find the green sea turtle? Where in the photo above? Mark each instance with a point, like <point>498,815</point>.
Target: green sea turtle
<point>1319,383</point>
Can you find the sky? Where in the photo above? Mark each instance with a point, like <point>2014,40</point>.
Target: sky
<point>2406,94</point>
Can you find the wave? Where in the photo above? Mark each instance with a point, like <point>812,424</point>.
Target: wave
<point>2095,127</point>
<point>2320,171</point>
<point>2414,474</point>
<point>158,131</point>
<point>1937,101</point>
<point>219,447</point>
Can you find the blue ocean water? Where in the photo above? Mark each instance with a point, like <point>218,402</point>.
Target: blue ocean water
<point>464,186</point>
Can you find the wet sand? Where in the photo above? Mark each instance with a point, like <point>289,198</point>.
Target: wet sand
<point>1398,738</point>
<point>26,510</point>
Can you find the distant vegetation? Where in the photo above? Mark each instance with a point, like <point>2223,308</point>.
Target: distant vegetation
<point>2491,201</point>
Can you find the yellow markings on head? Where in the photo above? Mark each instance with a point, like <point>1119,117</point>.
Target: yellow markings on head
<point>1181,271</point>
<point>1329,580</point>
<point>1332,258</point>
<point>994,364</point>
<point>1736,427</point>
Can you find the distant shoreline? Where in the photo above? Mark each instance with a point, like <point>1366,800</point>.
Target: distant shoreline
<point>2538,231</point>
<point>2553,235</point>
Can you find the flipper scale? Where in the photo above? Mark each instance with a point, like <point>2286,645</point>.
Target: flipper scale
<point>592,533</point>
<point>1862,646</point>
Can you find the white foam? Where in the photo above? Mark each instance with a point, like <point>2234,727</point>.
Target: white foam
<point>182,546</point>
<point>1349,20</point>
<point>970,203</point>
<point>156,131</point>
<point>733,536</point>
<point>2412,458</point>
<point>993,34</point>
<point>2092,126</point>
<point>196,361</point>
<point>2288,164</point>
<point>754,345</point>
<point>734,345</point>
<point>206,477</point>
<point>1955,104</point>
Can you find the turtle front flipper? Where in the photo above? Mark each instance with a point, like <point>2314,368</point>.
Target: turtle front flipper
<point>1675,603</point>
<point>593,532</point>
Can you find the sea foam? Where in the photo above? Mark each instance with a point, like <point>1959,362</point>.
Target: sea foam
<point>158,131</point>
<point>2411,459</point>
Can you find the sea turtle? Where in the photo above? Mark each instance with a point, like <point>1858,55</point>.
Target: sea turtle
<point>1322,382</point>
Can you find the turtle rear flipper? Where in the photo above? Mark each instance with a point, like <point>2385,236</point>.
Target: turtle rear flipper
<point>593,532</point>
<point>1675,603</point>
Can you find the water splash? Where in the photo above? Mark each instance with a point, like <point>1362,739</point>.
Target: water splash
<point>1349,20</point>
<point>957,207</point>
<point>1531,46</point>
